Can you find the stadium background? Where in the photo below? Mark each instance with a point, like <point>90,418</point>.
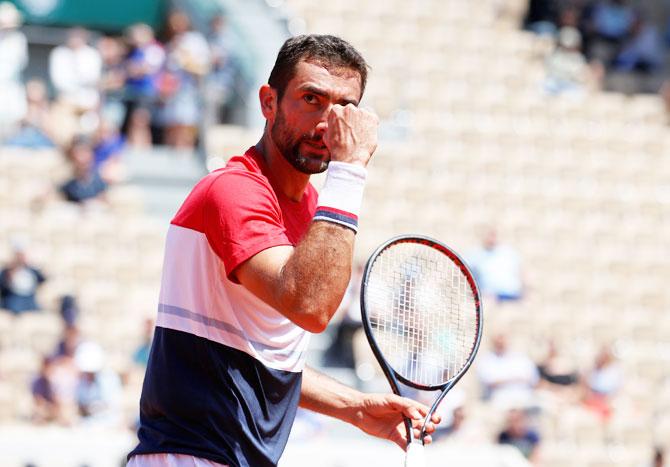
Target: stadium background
<point>469,139</point>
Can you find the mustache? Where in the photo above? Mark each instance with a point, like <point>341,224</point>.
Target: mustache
<point>314,139</point>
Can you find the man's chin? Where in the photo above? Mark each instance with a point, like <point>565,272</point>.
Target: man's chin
<point>311,163</point>
<point>313,166</point>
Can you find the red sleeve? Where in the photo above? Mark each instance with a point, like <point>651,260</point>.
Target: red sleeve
<point>241,218</point>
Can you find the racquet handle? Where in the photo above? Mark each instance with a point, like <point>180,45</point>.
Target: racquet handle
<point>415,455</point>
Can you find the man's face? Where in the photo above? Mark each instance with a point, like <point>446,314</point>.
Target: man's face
<point>490,239</point>
<point>82,159</point>
<point>77,39</point>
<point>302,113</point>
<point>499,344</point>
<point>516,423</point>
<point>20,258</point>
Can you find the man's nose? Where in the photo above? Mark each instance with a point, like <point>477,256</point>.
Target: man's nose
<point>322,125</point>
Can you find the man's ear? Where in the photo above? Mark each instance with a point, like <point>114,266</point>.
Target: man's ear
<point>268,98</point>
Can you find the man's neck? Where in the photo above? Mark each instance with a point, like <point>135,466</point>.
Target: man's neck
<point>283,176</point>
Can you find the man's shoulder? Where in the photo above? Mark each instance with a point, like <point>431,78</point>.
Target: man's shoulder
<point>239,171</point>
<point>240,182</point>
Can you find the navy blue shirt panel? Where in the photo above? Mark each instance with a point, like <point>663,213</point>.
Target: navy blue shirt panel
<point>208,400</point>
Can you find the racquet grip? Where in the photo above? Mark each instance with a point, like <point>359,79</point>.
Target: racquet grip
<point>415,455</point>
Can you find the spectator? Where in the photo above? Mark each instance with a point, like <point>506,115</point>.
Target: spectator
<point>519,434</point>
<point>642,52</point>
<point>497,269</point>
<point>86,185</point>
<point>453,424</point>
<point>142,71</point>
<point>99,388</point>
<point>659,458</point>
<point>13,60</point>
<point>65,374</point>
<point>69,342</point>
<point>143,63</point>
<point>141,354</point>
<point>187,63</point>
<point>542,16</point>
<point>570,16</point>
<point>612,19</point>
<point>559,380</point>
<point>508,378</point>
<point>138,130</point>
<point>456,426</point>
<point>222,76</point>
<point>602,383</point>
<point>35,128</point>
<point>69,310</point>
<point>567,70</point>
<point>341,351</point>
<point>19,282</point>
<point>607,24</point>
<point>555,370</point>
<point>46,407</point>
<point>38,104</point>
<point>75,69</point>
<point>112,79</point>
<point>109,145</point>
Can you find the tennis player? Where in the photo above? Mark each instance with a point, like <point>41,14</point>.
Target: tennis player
<point>255,262</point>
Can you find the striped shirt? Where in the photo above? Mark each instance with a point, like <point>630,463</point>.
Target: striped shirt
<point>224,373</point>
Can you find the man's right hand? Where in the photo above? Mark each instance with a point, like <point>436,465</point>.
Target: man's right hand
<point>351,135</point>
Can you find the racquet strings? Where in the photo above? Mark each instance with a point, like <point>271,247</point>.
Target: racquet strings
<point>422,313</point>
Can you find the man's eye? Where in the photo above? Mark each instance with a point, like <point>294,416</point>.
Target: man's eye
<point>311,99</point>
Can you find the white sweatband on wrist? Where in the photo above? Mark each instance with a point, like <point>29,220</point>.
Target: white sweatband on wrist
<point>342,194</point>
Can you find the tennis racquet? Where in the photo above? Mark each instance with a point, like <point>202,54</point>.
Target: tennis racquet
<point>422,315</point>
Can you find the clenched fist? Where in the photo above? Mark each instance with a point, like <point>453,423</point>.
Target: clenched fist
<point>351,135</point>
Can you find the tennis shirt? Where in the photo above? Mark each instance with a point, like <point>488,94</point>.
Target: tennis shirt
<point>225,368</point>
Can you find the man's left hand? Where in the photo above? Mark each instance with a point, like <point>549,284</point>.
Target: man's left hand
<point>381,415</point>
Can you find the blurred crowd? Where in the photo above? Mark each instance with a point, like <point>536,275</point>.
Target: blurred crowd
<point>603,43</point>
<point>106,94</point>
<point>514,388</point>
<point>75,383</point>
<point>135,90</point>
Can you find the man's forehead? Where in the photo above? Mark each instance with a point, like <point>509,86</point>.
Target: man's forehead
<point>341,71</point>
<point>317,72</point>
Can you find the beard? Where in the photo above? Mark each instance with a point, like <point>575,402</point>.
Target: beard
<point>289,144</point>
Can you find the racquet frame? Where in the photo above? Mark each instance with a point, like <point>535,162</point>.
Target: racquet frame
<point>391,375</point>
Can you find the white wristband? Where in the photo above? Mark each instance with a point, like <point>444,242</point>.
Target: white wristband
<point>342,194</point>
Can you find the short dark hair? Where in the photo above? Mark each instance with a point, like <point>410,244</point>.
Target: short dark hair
<point>326,50</point>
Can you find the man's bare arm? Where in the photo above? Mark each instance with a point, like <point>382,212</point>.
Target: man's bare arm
<point>379,415</point>
<point>306,283</point>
